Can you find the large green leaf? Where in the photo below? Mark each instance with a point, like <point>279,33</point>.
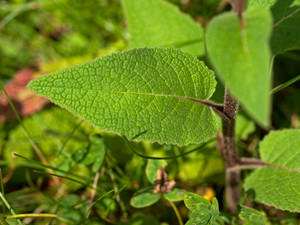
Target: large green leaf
<point>251,216</point>
<point>286,14</point>
<point>279,187</point>
<point>155,23</point>
<point>241,57</point>
<point>155,92</point>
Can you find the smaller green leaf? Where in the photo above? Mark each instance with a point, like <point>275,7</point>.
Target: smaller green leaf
<point>152,167</point>
<point>251,216</point>
<point>223,220</point>
<point>278,186</point>
<point>175,195</point>
<point>144,197</point>
<point>198,221</point>
<point>196,203</point>
<point>203,211</point>
<point>214,211</point>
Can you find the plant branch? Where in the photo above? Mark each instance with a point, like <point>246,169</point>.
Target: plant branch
<point>230,110</point>
<point>229,153</point>
<point>251,163</point>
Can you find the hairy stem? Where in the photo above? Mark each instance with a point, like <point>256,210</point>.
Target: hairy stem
<point>251,163</point>
<point>229,153</point>
<point>238,6</point>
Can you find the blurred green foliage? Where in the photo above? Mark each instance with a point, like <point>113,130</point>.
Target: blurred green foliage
<point>44,30</point>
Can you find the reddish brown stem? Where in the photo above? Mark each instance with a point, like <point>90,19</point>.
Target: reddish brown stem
<point>229,153</point>
<point>238,6</point>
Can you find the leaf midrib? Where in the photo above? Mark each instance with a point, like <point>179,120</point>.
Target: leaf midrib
<point>137,93</point>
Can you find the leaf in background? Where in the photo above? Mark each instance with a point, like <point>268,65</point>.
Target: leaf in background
<point>286,15</point>
<point>244,127</point>
<point>98,148</point>
<point>144,197</point>
<point>48,131</point>
<point>251,216</point>
<point>214,211</point>
<point>157,90</point>
<point>204,166</point>
<point>152,167</point>
<point>156,23</point>
<point>106,203</point>
<point>175,195</point>
<point>92,154</point>
<point>25,102</point>
<point>241,57</point>
<point>278,187</point>
<point>80,154</point>
<point>203,211</point>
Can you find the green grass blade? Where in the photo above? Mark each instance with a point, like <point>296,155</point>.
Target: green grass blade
<point>1,181</point>
<point>98,199</point>
<point>12,106</point>
<point>69,137</point>
<point>171,157</point>
<point>14,14</point>
<point>31,185</point>
<point>9,208</point>
<point>32,215</point>
<point>284,85</point>
<point>114,197</point>
<point>30,139</point>
<point>68,178</point>
<point>49,167</point>
<point>2,220</point>
<point>2,190</point>
<point>119,191</point>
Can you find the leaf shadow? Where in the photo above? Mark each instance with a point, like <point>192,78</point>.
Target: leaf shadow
<point>251,193</point>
